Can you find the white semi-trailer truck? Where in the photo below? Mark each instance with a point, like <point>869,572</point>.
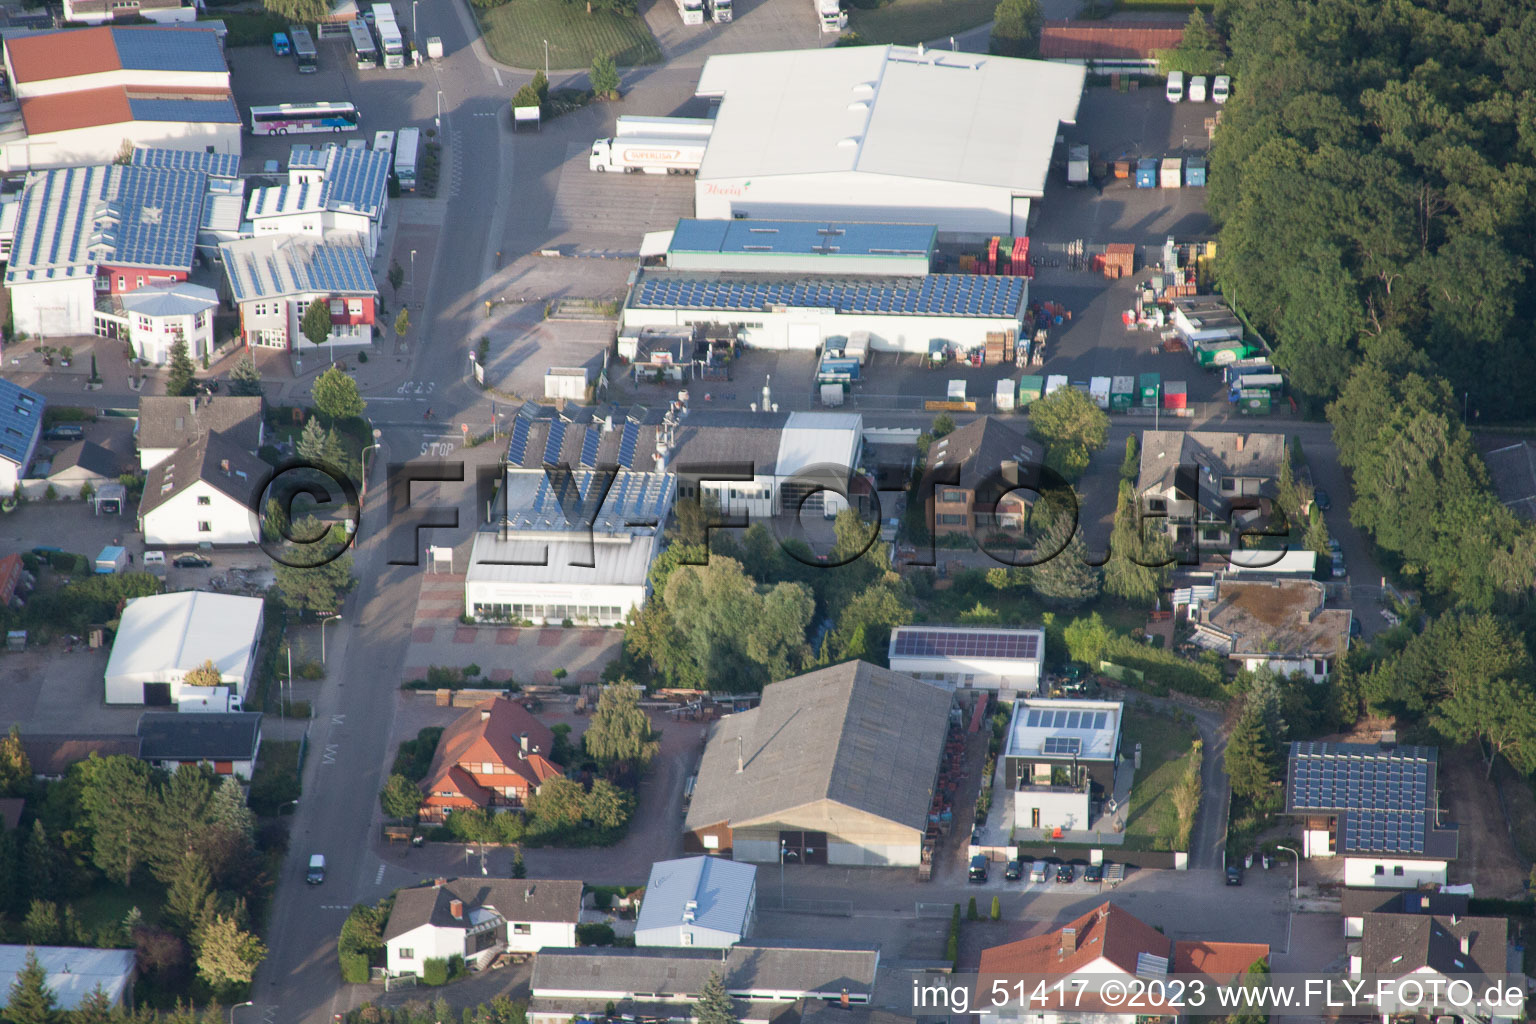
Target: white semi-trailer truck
<point>639,154</point>
<point>692,11</point>
<point>830,13</point>
<point>720,10</point>
<point>663,127</point>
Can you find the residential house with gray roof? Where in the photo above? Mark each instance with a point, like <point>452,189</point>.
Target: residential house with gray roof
<point>479,918</point>
<point>1208,484</point>
<point>1434,951</point>
<point>982,474</point>
<point>167,424</point>
<point>837,766</point>
<point>206,493</point>
<point>763,979</point>
<point>697,901</point>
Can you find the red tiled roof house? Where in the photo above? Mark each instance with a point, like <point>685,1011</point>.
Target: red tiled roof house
<point>492,757</point>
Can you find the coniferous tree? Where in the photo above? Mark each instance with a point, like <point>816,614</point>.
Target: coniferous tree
<point>714,1005</point>
<point>180,378</point>
<point>31,1000</point>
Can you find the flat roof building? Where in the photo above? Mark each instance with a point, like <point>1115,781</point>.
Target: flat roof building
<point>1005,661</point>
<point>876,133</point>
<point>1061,756</point>
<point>697,901</point>
<point>163,637</point>
<point>1279,624</point>
<point>791,246</point>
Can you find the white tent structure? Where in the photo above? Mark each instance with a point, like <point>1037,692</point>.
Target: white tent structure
<point>73,972</point>
<point>162,638</point>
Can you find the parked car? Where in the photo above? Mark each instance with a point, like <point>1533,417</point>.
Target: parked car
<point>1175,91</point>
<point>1093,873</point>
<point>1323,501</point>
<point>1038,871</point>
<point>1221,88</point>
<point>1014,871</point>
<point>1335,546</point>
<point>1065,873</point>
<point>64,432</point>
<point>316,873</point>
<point>1355,629</point>
<point>191,562</point>
<point>1234,874</point>
<point>979,868</point>
<point>1197,89</point>
<point>1339,568</point>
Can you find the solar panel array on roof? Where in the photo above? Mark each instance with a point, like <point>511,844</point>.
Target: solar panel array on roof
<point>935,295</point>
<point>356,179</point>
<point>1354,782</point>
<point>20,412</point>
<point>553,443</point>
<point>589,445</point>
<point>1378,832</point>
<point>168,49</point>
<point>517,447</point>
<point>627,444</point>
<point>339,268</point>
<point>1057,718</point>
<point>938,643</point>
<point>633,501</point>
<point>220,165</point>
<point>271,266</point>
<point>219,110</point>
<point>1063,746</point>
<point>160,213</point>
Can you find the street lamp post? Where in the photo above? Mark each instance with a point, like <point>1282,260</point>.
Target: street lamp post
<point>237,1006</point>
<point>289,705</point>
<point>415,39</point>
<point>546,60</point>
<point>376,435</point>
<point>1293,853</point>
<point>438,121</point>
<point>328,618</point>
<point>413,271</point>
<point>783,850</point>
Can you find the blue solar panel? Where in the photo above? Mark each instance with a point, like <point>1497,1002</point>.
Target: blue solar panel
<point>952,294</point>
<point>517,449</point>
<point>21,411</point>
<point>168,49</point>
<point>555,441</point>
<point>589,445</point>
<point>220,165</point>
<point>1063,746</point>
<point>627,445</point>
<point>158,213</point>
<point>214,111</point>
<point>357,178</point>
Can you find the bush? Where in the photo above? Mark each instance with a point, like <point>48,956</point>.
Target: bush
<point>311,670</point>
<point>594,935</point>
<point>354,967</point>
<point>415,756</point>
<point>434,971</point>
<point>970,911</point>
<point>997,908</point>
<point>952,944</point>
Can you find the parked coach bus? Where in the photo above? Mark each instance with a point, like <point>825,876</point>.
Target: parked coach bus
<point>293,118</point>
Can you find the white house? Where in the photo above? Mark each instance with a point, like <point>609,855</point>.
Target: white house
<point>478,918</point>
<point>228,743</point>
<point>152,318</point>
<point>1059,755</point>
<point>1377,806</point>
<point>95,12</point>
<point>205,493</point>
<point>1432,951</point>
<point>536,564</point>
<point>1004,661</point>
<point>167,424</point>
<point>697,901</point>
<point>1355,904</point>
<point>339,191</point>
<point>21,424</point>
<point>163,637</point>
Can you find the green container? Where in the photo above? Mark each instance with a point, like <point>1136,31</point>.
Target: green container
<point>1029,389</point>
<point>1223,353</point>
<point>1151,384</point>
<point>1253,402</point>
<point>1122,393</point>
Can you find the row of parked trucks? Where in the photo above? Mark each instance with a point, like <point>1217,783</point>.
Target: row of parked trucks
<point>696,12</point>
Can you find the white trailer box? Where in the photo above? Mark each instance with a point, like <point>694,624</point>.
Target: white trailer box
<point>956,391</point>
<point>831,394</point>
<point>435,47</point>
<point>858,346</point>
<point>691,11</point>
<point>1098,390</point>
<point>648,155</point>
<point>649,127</point>
<point>208,700</point>
<point>1055,382</point>
<point>1006,391</point>
<point>1077,165</point>
<point>830,13</point>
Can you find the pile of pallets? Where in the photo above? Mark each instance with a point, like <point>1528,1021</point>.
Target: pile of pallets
<point>999,347</point>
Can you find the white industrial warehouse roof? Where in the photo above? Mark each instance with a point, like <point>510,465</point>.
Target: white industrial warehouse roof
<point>819,439</point>
<point>557,561</point>
<point>720,892</point>
<point>1085,730</point>
<point>888,110</point>
<point>167,634</point>
<point>73,972</point>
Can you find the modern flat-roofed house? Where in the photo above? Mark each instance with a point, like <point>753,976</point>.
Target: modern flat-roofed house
<point>1377,806</point>
<point>1059,755</point>
<point>837,766</point>
<point>479,918</point>
<point>976,470</point>
<point>763,979</point>
<point>1207,483</point>
<point>1278,624</point>
<point>698,901</point>
<point>1434,951</point>
<point>1004,661</point>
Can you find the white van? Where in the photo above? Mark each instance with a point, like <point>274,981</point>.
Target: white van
<point>1221,88</point>
<point>154,561</point>
<point>1175,86</point>
<point>316,873</point>
<point>1197,89</point>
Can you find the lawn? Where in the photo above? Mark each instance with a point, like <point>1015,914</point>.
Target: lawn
<point>109,903</point>
<point>1165,750</point>
<point>918,21</point>
<point>516,31</point>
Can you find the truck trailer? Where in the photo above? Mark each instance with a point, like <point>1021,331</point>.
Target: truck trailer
<point>691,11</point>
<point>629,125</point>
<point>830,14</point>
<point>720,11</point>
<point>638,154</point>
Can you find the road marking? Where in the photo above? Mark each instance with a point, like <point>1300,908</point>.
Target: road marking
<point>497,73</point>
<point>380,876</point>
<point>338,719</point>
<point>268,1015</point>
<point>334,906</point>
<point>329,757</point>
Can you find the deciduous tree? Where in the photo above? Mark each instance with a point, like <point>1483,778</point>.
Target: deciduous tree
<point>15,766</point>
<point>605,76</point>
<point>1197,52</point>
<point>206,674</point>
<point>1016,28</point>
<point>400,798</point>
<point>1072,427</point>
<point>226,954</point>
<point>620,732</point>
<point>336,396</point>
<point>316,325</point>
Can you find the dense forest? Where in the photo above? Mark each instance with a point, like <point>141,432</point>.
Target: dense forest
<point>1373,182</point>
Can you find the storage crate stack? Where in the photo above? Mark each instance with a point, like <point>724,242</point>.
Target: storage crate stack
<point>999,347</point>
<point>1119,260</point>
<point>989,262</point>
<point>1021,264</point>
